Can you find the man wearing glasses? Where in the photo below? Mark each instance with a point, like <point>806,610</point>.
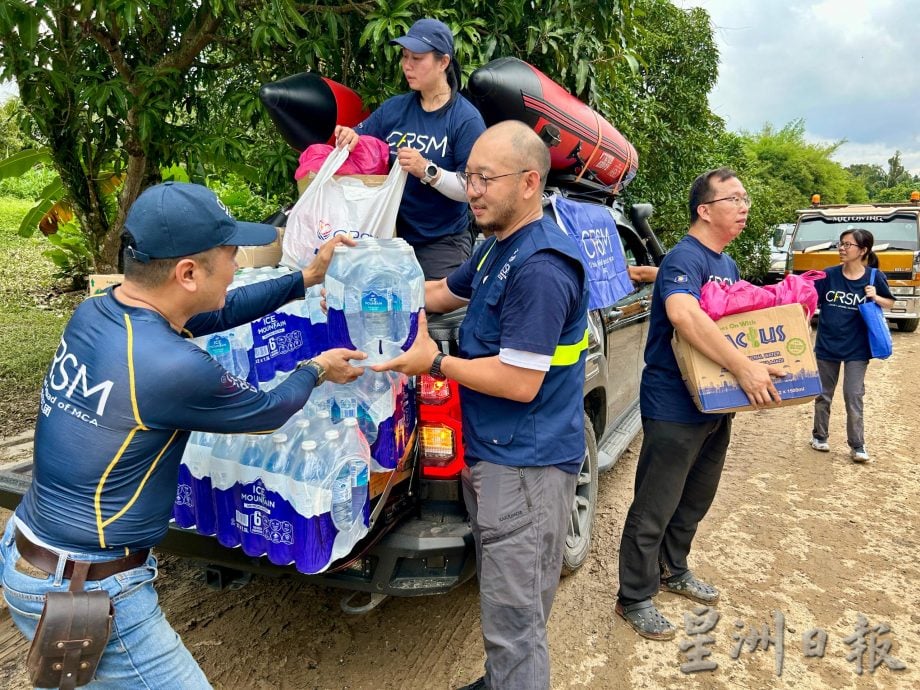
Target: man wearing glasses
<point>683,450</point>
<point>522,346</point>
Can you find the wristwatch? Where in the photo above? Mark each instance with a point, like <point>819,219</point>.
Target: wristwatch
<point>316,368</point>
<point>435,370</point>
<point>431,172</point>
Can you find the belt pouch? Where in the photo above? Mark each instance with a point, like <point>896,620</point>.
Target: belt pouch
<point>72,634</point>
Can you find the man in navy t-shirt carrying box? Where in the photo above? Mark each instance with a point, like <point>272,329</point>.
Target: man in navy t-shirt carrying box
<point>683,449</point>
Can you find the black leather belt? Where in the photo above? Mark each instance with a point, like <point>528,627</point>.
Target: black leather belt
<point>47,560</point>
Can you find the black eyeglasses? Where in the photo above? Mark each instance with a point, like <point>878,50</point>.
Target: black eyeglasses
<point>847,245</point>
<point>479,182</point>
<point>738,201</point>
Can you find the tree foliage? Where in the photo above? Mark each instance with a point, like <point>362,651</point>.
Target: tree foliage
<point>124,89</point>
<point>800,167</point>
<point>662,109</point>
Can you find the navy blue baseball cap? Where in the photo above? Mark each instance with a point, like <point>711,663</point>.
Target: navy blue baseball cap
<point>177,219</point>
<point>427,35</point>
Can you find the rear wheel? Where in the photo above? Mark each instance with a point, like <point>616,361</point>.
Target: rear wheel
<point>581,520</point>
<point>908,325</point>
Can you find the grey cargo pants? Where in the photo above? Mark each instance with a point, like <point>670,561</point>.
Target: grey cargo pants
<point>854,379</point>
<point>519,518</point>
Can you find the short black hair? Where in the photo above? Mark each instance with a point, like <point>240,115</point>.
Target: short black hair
<point>155,272</point>
<point>701,189</point>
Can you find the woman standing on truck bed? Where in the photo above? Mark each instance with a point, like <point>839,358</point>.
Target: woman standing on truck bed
<point>843,337</point>
<point>430,131</point>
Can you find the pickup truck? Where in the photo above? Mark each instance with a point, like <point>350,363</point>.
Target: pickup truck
<point>420,541</point>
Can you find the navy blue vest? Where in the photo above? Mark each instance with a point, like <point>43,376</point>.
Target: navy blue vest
<point>549,430</point>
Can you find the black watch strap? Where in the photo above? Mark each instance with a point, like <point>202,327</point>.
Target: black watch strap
<point>435,370</point>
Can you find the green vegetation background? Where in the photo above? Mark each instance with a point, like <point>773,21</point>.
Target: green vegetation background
<point>33,311</point>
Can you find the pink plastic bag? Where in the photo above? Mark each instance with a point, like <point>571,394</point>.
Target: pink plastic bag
<point>721,299</point>
<point>370,157</point>
<point>798,288</point>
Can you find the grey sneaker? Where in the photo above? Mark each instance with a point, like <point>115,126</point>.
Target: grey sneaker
<point>859,455</point>
<point>818,444</point>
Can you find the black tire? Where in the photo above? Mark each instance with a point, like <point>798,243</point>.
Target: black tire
<point>581,523</point>
<point>907,325</point>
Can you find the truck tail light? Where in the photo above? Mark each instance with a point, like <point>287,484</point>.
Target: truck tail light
<point>439,424</point>
<point>437,443</point>
<point>433,391</point>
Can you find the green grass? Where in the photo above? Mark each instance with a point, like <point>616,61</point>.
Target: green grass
<point>33,312</point>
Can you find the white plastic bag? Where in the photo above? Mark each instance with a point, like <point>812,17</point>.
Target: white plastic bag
<point>329,207</point>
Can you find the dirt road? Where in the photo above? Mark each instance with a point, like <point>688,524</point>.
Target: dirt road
<point>812,536</point>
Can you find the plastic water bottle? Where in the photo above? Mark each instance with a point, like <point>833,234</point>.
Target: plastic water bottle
<point>379,290</point>
<point>376,402</point>
<point>344,402</point>
<point>218,346</point>
<point>307,466</point>
<point>252,455</point>
<point>198,452</point>
<point>231,352</point>
<point>240,357</point>
<point>277,459</point>
<point>341,481</point>
<point>319,425</point>
<point>227,447</point>
<point>355,450</point>
<point>299,433</point>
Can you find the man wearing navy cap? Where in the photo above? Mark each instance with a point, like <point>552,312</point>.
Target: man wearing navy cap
<point>123,392</point>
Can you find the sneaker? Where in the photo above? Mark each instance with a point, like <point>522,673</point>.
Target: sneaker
<point>818,444</point>
<point>859,455</point>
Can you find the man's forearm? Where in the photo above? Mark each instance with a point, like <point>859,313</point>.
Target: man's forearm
<point>491,376</point>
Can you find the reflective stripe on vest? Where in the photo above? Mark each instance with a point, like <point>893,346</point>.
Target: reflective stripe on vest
<point>483,259</point>
<point>567,355</point>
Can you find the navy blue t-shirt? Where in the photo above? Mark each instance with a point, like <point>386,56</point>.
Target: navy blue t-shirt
<point>445,137</point>
<point>842,334</point>
<point>685,269</point>
<point>117,404</point>
<point>547,284</point>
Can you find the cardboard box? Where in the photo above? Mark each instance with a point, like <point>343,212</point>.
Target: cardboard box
<point>266,255</point>
<point>97,282</point>
<point>369,180</point>
<point>779,336</point>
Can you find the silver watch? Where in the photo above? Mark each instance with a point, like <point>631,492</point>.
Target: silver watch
<point>431,172</point>
<point>316,368</point>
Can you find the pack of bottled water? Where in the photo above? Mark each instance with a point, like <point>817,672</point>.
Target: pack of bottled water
<point>374,293</point>
<point>300,495</point>
<point>287,496</point>
<point>266,350</point>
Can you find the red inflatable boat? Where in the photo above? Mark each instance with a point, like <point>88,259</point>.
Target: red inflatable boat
<point>583,144</point>
<point>585,149</point>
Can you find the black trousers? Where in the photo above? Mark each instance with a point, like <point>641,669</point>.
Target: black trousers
<point>676,480</point>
